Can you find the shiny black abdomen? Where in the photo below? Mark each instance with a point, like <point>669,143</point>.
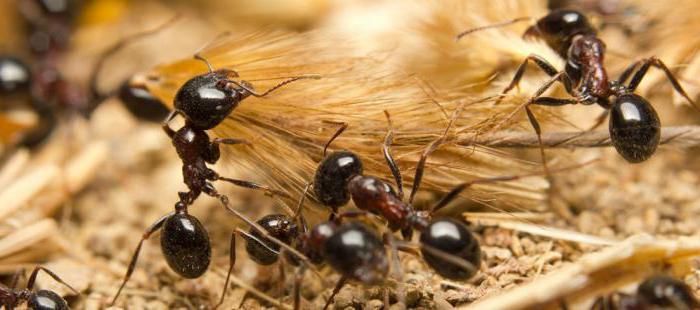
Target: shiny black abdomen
<point>355,251</point>
<point>142,104</point>
<point>635,128</point>
<point>47,300</point>
<point>454,238</point>
<point>559,27</point>
<point>185,245</point>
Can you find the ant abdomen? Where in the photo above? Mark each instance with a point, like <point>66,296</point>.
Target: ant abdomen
<point>141,103</point>
<point>667,292</point>
<point>453,238</point>
<point>332,177</point>
<point>355,251</point>
<point>205,100</point>
<point>47,300</point>
<point>185,245</point>
<point>635,128</point>
<point>278,226</point>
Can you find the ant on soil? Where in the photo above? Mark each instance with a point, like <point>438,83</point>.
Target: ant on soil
<point>446,244</point>
<point>352,249</point>
<point>204,101</point>
<point>40,300</point>
<point>656,292</point>
<point>634,124</point>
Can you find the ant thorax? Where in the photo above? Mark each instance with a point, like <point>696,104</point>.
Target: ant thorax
<point>377,197</point>
<point>585,67</point>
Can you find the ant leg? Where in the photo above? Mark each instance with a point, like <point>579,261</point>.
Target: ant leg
<point>420,167</point>
<point>348,214</point>
<point>538,130</point>
<point>166,123</point>
<point>132,264</point>
<point>283,280</point>
<point>653,61</point>
<point>231,263</point>
<point>396,266</point>
<point>337,288</point>
<point>498,25</point>
<point>283,83</point>
<point>298,215</point>
<point>452,194</point>
<point>628,71</point>
<point>386,149</point>
<point>230,141</point>
<point>545,66</point>
<point>298,277</point>
<point>15,278</point>
<point>35,272</point>
<point>252,185</point>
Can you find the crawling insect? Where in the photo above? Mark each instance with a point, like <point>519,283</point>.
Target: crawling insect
<point>352,249</point>
<point>10,297</point>
<point>656,292</point>
<point>204,101</point>
<point>634,124</point>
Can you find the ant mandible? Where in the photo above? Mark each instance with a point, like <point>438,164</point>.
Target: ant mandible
<point>634,124</point>
<point>204,101</point>
<point>39,300</point>
<point>656,292</point>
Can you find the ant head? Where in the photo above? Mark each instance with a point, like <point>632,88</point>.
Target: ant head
<point>45,299</point>
<point>357,252</point>
<point>665,291</point>
<point>206,100</point>
<point>559,27</point>
<point>278,226</point>
<point>14,75</point>
<point>332,177</point>
<point>451,238</point>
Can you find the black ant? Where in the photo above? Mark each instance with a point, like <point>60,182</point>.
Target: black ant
<point>351,249</point>
<point>634,124</point>
<point>39,300</point>
<point>204,101</point>
<point>339,178</point>
<point>656,292</point>
<point>139,101</point>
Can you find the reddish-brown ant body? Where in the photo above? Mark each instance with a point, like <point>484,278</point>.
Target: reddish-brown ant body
<point>634,124</point>
<point>11,298</point>
<point>204,101</point>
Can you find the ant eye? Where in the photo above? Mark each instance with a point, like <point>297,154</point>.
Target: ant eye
<point>205,103</point>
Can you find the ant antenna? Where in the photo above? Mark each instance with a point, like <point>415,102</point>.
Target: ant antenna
<point>285,82</point>
<point>337,133</point>
<point>117,47</point>
<point>502,24</point>
<point>420,167</point>
<point>200,57</point>
<point>386,149</point>
<point>198,53</point>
